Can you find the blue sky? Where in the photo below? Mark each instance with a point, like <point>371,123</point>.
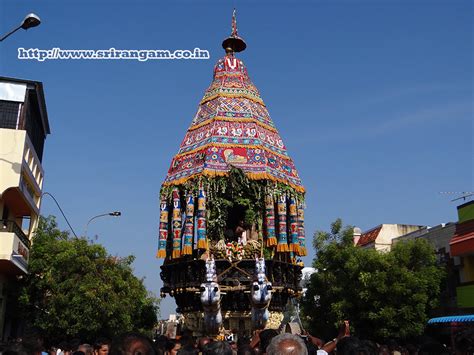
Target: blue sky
<point>374,100</point>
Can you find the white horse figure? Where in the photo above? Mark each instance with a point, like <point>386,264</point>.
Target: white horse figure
<point>260,295</point>
<point>211,299</point>
<point>211,273</point>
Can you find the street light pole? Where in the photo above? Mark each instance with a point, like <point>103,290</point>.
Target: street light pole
<point>31,20</point>
<point>61,210</point>
<point>113,214</point>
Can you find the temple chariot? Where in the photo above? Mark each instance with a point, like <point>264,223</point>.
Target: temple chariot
<point>231,211</point>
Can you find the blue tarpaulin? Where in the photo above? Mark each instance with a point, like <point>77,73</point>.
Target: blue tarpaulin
<point>451,319</point>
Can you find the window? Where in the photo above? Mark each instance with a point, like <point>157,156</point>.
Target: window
<point>9,114</point>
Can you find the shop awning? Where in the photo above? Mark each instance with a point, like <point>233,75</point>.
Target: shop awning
<point>453,319</point>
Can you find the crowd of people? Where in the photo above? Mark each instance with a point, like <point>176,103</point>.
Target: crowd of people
<point>267,341</point>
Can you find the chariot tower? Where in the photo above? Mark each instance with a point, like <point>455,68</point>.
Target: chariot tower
<point>231,210</point>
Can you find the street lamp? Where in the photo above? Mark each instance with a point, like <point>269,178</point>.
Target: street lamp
<point>113,214</point>
<point>31,20</point>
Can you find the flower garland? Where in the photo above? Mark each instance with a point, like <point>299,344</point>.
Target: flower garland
<point>234,251</point>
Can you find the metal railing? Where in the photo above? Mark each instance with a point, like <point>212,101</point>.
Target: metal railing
<point>10,226</point>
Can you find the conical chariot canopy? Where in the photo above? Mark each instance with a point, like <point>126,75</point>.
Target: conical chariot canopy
<point>232,128</point>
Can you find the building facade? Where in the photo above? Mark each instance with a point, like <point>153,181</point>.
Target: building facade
<point>380,237</point>
<point>23,129</point>
<point>462,247</point>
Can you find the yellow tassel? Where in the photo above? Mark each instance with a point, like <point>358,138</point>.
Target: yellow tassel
<point>282,248</point>
<point>295,248</point>
<point>214,173</point>
<point>303,251</point>
<point>161,254</point>
<point>232,119</point>
<point>202,244</point>
<point>272,241</point>
<point>252,176</point>
<point>176,254</point>
<point>187,250</point>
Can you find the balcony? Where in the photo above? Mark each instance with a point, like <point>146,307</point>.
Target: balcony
<point>10,226</point>
<point>14,248</point>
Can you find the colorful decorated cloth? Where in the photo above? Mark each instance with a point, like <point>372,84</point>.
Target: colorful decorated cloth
<point>270,221</point>
<point>282,245</point>
<point>177,224</point>
<point>163,229</point>
<point>301,233</point>
<point>294,242</point>
<point>189,226</point>
<point>201,219</point>
<point>232,127</point>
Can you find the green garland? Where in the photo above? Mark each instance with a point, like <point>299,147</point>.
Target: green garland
<point>232,190</point>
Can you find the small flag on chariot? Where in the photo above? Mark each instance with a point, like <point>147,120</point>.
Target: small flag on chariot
<point>301,233</point>
<point>163,229</point>
<point>282,234</point>
<point>270,221</point>
<point>294,242</point>
<point>189,226</point>
<point>177,224</point>
<point>201,219</point>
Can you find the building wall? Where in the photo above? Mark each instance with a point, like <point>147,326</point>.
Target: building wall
<point>12,146</point>
<point>20,169</point>
<point>390,232</point>
<point>439,236</point>
<point>19,163</point>
<point>467,274</point>
<point>465,297</point>
<point>466,212</point>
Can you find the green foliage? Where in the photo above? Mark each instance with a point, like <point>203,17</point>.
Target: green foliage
<point>234,190</point>
<point>338,235</point>
<point>384,295</point>
<point>75,289</point>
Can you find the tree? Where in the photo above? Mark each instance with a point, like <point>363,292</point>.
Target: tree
<point>384,295</point>
<point>337,235</point>
<point>76,290</point>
